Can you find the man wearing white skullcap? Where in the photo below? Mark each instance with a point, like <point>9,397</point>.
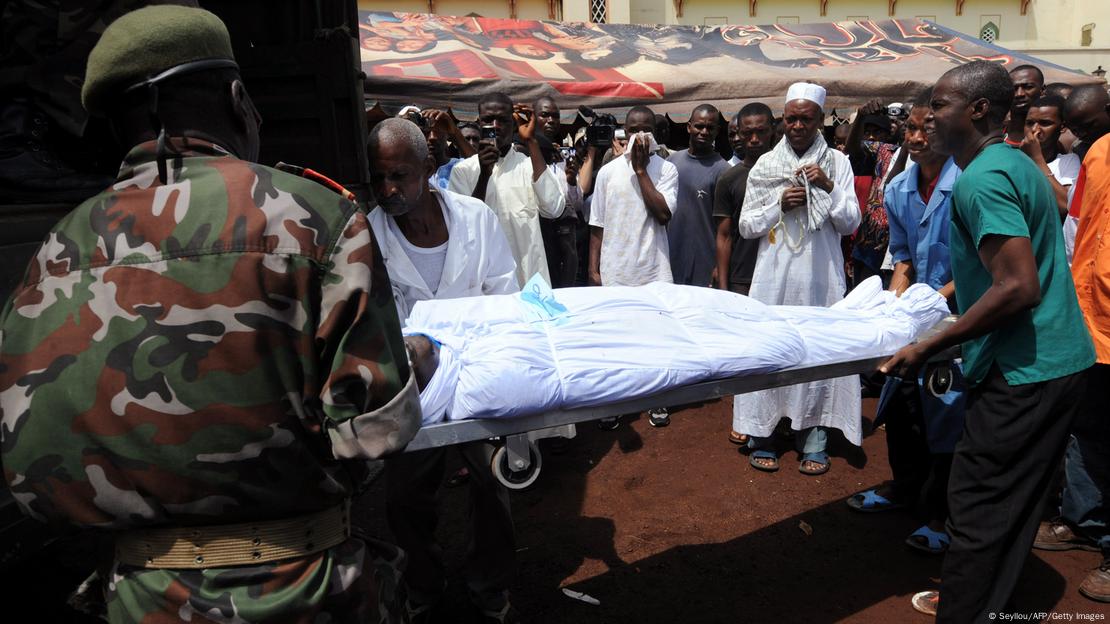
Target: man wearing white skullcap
<point>799,202</point>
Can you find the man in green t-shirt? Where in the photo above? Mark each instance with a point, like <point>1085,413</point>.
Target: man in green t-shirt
<point>1025,346</point>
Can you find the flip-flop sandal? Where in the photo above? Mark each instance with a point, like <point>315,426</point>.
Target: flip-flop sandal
<point>737,438</point>
<point>870,501</point>
<point>822,461</point>
<point>929,541</point>
<point>757,455</point>
<point>926,602</point>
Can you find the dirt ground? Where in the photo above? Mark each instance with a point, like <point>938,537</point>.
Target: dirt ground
<point>672,525</point>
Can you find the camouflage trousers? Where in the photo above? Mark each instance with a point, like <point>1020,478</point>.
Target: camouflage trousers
<point>356,581</point>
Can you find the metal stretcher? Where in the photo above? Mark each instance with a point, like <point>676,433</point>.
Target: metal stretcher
<point>518,462</point>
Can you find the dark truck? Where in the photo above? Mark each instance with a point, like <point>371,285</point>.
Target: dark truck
<point>300,63</point>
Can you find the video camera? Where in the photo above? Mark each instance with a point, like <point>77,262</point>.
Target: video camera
<point>601,130</point>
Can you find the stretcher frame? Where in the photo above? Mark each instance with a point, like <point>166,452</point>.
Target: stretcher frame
<point>520,432</point>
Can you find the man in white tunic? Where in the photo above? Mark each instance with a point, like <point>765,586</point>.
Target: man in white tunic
<point>799,201</point>
<point>440,245</point>
<point>634,198</point>
<point>520,189</point>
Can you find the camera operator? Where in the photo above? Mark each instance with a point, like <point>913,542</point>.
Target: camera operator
<point>518,188</point>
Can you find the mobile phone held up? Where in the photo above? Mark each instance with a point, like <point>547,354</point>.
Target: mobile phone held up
<point>489,133</point>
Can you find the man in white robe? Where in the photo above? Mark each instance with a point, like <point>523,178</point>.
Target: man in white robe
<point>799,202</point>
<point>439,245</point>
<point>520,189</point>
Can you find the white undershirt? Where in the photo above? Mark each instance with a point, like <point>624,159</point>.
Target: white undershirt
<point>428,261</point>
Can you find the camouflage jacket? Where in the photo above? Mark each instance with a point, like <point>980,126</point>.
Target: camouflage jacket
<point>200,352</point>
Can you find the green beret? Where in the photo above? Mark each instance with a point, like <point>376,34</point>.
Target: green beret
<point>146,42</point>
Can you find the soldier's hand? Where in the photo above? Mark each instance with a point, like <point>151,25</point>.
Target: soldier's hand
<point>793,197</point>
<point>487,156</point>
<point>816,177</point>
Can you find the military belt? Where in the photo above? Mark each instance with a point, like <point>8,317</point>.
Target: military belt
<point>246,543</point>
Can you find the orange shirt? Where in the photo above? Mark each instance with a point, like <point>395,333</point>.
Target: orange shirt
<point>1090,266</point>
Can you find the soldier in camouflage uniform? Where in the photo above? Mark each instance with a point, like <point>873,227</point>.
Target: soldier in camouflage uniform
<point>208,342</point>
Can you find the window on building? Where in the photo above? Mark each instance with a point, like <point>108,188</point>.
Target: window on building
<point>1086,35</point>
<point>989,32</point>
<point>599,11</point>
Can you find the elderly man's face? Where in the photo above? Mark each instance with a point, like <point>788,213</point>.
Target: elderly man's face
<point>399,179</point>
<point>802,121</point>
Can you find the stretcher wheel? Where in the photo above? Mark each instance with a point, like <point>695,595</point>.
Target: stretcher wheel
<point>516,479</point>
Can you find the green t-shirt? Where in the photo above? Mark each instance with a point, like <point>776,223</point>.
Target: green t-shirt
<point>1003,193</point>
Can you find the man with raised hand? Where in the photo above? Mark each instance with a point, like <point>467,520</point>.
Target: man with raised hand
<point>518,188</point>
<point>1044,122</point>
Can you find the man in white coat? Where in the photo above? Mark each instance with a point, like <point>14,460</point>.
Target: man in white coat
<point>520,189</point>
<point>799,201</point>
<point>440,245</point>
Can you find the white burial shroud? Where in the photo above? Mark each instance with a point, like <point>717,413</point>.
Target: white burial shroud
<point>540,350</point>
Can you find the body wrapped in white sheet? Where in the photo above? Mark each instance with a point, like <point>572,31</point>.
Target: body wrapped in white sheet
<point>507,355</point>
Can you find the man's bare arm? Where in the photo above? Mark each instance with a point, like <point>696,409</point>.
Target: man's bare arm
<point>1015,289</point>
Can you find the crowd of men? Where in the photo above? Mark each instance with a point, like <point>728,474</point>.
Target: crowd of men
<point>209,335</point>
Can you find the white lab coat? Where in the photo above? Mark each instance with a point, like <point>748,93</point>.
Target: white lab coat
<point>810,276</point>
<point>518,203</point>
<point>478,261</point>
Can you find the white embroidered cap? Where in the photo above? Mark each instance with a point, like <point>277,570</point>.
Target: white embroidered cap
<point>806,91</point>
